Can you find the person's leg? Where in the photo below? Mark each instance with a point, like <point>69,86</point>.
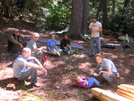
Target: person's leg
<point>98,45</point>
<point>16,49</point>
<point>30,72</point>
<point>92,46</point>
<point>109,78</point>
<point>92,81</point>
<point>59,50</point>
<point>65,50</point>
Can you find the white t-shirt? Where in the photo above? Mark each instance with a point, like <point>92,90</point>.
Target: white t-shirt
<point>95,26</point>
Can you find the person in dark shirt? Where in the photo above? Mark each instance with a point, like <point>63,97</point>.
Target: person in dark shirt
<point>65,44</point>
<point>15,43</point>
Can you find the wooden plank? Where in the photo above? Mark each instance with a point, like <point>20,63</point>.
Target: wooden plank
<point>107,96</point>
<point>126,89</point>
<point>121,94</point>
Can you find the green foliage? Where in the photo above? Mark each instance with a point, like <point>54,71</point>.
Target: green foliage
<point>59,15</point>
<point>122,22</point>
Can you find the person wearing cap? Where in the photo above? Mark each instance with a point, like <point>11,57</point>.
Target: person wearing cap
<point>95,28</point>
<point>15,44</point>
<point>26,66</point>
<point>37,52</point>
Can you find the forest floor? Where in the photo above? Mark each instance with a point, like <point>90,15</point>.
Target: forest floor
<point>58,85</point>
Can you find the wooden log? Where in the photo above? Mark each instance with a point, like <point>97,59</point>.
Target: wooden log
<point>126,93</point>
<point>129,90</point>
<point>121,94</point>
<point>104,95</point>
<point>127,86</point>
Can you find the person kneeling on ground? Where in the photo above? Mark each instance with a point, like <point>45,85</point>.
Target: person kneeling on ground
<point>106,68</point>
<point>86,83</point>
<point>25,66</point>
<point>15,42</point>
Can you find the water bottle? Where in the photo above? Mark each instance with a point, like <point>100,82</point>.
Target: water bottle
<point>126,38</point>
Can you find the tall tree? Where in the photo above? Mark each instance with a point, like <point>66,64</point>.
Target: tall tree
<point>105,17</point>
<point>76,18</point>
<point>6,8</point>
<point>85,16</point>
<point>79,18</point>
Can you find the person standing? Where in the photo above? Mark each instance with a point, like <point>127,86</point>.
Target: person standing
<point>26,66</point>
<point>95,28</point>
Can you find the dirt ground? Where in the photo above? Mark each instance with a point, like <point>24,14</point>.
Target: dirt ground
<point>58,85</point>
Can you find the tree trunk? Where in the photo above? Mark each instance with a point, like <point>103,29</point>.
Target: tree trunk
<point>113,10</point>
<point>76,19</point>
<point>105,18</point>
<point>99,8</point>
<point>6,8</point>
<point>85,16</point>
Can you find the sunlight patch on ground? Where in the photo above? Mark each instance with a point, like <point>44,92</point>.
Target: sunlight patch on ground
<point>79,56</point>
<point>8,72</point>
<point>9,95</point>
<point>85,66</point>
<point>126,71</point>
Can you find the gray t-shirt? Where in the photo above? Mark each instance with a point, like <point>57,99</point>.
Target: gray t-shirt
<point>32,45</point>
<point>108,64</point>
<point>18,67</point>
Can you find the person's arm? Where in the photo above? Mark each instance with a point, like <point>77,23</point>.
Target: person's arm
<point>11,39</point>
<point>62,44</point>
<point>38,66</point>
<point>55,46</point>
<point>106,72</point>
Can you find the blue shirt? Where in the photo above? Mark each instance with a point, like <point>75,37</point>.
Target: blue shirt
<point>51,44</point>
<point>18,67</point>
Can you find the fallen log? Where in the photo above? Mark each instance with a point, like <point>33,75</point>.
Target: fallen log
<point>104,95</point>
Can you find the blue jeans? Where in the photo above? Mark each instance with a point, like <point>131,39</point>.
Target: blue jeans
<point>30,72</point>
<point>93,82</point>
<point>92,44</point>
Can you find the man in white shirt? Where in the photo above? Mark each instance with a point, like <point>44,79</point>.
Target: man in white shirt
<point>95,28</point>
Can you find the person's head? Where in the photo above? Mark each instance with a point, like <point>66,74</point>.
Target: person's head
<point>35,36</point>
<point>77,79</point>
<point>52,36</point>
<point>26,52</point>
<point>65,36</point>
<point>94,19</point>
<point>16,32</point>
<point>99,57</point>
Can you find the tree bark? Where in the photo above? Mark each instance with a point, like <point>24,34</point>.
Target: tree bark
<point>85,16</point>
<point>76,19</point>
<point>6,8</point>
<point>105,18</point>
